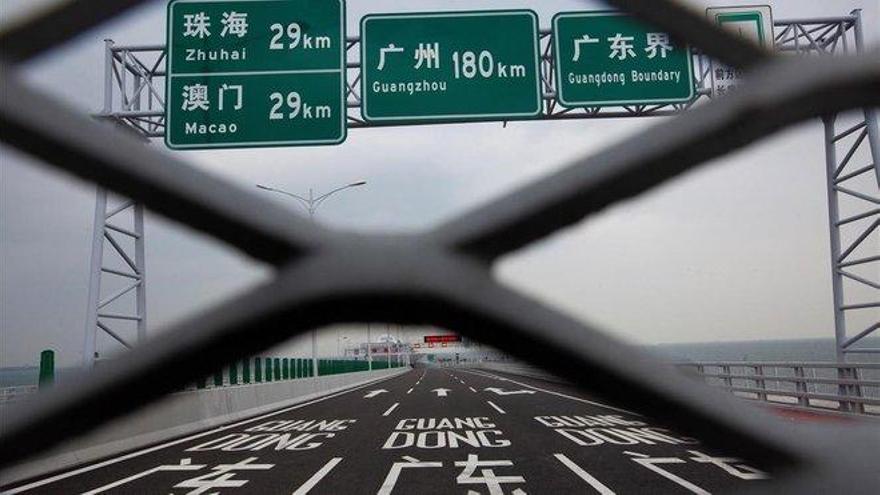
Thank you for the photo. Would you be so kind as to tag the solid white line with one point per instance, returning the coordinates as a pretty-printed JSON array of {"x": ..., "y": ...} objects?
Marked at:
[
  {"x": 409, "y": 391},
  {"x": 139, "y": 453},
  {"x": 604, "y": 490},
  {"x": 308, "y": 485},
  {"x": 496, "y": 407},
  {"x": 185, "y": 465},
  {"x": 386, "y": 413},
  {"x": 472, "y": 389},
  {"x": 553, "y": 392}
]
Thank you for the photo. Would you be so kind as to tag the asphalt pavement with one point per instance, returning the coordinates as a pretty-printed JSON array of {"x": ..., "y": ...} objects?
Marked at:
[{"x": 436, "y": 430}]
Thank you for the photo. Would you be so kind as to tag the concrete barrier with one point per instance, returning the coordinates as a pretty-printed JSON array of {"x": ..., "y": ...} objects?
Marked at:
[{"x": 187, "y": 412}]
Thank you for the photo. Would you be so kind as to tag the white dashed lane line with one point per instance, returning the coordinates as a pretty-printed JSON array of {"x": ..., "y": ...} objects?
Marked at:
[
  {"x": 317, "y": 477},
  {"x": 386, "y": 413},
  {"x": 495, "y": 406}
]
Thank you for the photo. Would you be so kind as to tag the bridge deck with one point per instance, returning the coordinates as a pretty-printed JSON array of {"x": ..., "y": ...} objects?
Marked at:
[{"x": 501, "y": 432}]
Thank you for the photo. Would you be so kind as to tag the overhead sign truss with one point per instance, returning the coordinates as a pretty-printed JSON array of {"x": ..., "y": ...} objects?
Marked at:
[{"x": 134, "y": 98}]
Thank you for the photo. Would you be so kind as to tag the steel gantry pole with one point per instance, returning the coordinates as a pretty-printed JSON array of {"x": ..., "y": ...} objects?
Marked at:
[
  {"x": 132, "y": 270},
  {"x": 311, "y": 205},
  {"x": 89, "y": 344},
  {"x": 834, "y": 234},
  {"x": 861, "y": 218},
  {"x": 141, "y": 264},
  {"x": 871, "y": 125}
]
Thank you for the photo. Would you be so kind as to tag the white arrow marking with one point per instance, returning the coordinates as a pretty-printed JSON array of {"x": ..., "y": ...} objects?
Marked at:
[
  {"x": 373, "y": 393},
  {"x": 499, "y": 391},
  {"x": 441, "y": 392}
]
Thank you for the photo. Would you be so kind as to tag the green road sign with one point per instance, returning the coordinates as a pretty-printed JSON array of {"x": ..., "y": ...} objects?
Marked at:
[
  {"x": 450, "y": 66},
  {"x": 754, "y": 23},
  {"x": 247, "y": 73},
  {"x": 608, "y": 58}
]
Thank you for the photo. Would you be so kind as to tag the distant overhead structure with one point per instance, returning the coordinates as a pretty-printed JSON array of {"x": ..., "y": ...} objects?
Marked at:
[{"x": 135, "y": 82}]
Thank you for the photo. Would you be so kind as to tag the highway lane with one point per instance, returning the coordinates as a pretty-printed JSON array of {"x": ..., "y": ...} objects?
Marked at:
[{"x": 448, "y": 430}]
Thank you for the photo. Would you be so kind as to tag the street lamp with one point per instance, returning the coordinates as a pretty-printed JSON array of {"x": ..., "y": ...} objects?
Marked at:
[{"x": 311, "y": 204}]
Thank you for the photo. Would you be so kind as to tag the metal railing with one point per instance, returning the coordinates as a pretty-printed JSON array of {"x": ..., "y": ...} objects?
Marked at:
[
  {"x": 850, "y": 387},
  {"x": 16, "y": 393}
]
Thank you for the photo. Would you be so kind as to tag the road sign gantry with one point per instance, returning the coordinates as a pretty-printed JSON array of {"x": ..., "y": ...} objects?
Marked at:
[{"x": 255, "y": 73}]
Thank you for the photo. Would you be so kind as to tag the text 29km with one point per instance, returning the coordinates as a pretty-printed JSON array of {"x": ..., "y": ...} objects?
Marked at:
[
  {"x": 295, "y": 38},
  {"x": 296, "y": 107}
]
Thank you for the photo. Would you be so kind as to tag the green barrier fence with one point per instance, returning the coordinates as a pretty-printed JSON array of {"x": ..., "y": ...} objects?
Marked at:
[
  {"x": 47, "y": 369},
  {"x": 258, "y": 371},
  {"x": 269, "y": 369}
]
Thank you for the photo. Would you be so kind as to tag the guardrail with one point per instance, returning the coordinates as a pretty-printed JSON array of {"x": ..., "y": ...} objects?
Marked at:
[
  {"x": 16, "y": 393},
  {"x": 846, "y": 387},
  {"x": 249, "y": 371},
  {"x": 190, "y": 411}
]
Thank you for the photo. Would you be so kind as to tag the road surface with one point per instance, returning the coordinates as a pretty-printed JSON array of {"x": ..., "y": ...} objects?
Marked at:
[{"x": 448, "y": 430}]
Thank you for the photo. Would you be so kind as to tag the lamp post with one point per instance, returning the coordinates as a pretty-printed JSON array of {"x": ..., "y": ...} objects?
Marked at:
[{"x": 311, "y": 205}]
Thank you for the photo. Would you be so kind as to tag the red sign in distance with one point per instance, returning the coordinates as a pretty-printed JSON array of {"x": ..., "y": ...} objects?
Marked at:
[{"x": 436, "y": 339}]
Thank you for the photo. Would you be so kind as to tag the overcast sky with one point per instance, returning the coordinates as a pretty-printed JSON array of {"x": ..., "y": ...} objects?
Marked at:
[{"x": 735, "y": 251}]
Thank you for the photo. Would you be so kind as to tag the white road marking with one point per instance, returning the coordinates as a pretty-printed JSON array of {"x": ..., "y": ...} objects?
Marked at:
[
  {"x": 373, "y": 393},
  {"x": 604, "y": 490},
  {"x": 553, "y": 392},
  {"x": 386, "y": 413},
  {"x": 317, "y": 477},
  {"x": 473, "y": 389},
  {"x": 394, "y": 472},
  {"x": 409, "y": 391},
  {"x": 495, "y": 406},
  {"x": 499, "y": 391},
  {"x": 442, "y": 392},
  {"x": 185, "y": 465},
  {"x": 172, "y": 443},
  {"x": 650, "y": 463}
]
